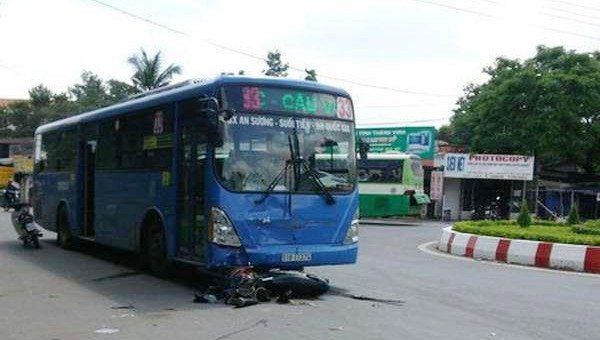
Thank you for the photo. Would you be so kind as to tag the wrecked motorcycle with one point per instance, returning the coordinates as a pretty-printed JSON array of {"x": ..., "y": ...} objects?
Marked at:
[{"x": 244, "y": 287}]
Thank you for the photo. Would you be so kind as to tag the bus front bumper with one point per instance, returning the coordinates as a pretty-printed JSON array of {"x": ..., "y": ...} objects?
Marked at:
[{"x": 283, "y": 256}]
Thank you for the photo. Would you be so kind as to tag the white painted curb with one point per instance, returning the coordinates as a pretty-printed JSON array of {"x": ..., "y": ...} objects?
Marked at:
[{"x": 579, "y": 258}]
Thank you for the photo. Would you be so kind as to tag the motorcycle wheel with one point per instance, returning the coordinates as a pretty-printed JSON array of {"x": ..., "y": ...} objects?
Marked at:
[{"x": 35, "y": 241}]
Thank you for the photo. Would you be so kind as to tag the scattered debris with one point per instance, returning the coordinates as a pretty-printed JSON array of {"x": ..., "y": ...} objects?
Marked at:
[
  {"x": 205, "y": 298},
  {"x": 392, "y": 302},
  {"x": 387, "y": 301},
  {"x": 228, "y": 335},
  {"x": 106, "y": 331},
  {"x": 302, "y": 303},
  {"x": 116, "y": 276},
  {"x": 123, "y": 307}
]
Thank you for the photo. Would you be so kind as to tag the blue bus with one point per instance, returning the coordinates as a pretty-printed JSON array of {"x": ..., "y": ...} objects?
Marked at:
[{"x": 217, "y": 173}]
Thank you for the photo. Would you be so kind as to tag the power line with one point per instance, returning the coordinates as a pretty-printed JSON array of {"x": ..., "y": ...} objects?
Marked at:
[
  {"x": 571, "y": 19},
  {"x": 223, "y": 47},
  {"x": 489, "y": 16},
  {"x": 133, "y": 15},
  {"x": 405, "y": 122},
  {"x": 575, "y": 5},
  {"x": 400, "y": 106},
  {"x": 562, "y": 10},
  {"x": 460, "y": 9}
]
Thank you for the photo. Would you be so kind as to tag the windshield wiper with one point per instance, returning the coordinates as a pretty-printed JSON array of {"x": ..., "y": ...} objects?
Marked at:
[
  {"x": 312, "y": 174},
  {"x": 300, "y": 162},
  {"x": 288, "y": 163},
  {"x": 275, "y": 181},
  {"x": 297, "y": 163}
]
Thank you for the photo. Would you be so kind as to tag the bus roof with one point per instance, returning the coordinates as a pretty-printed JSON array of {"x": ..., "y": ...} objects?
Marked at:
[{"x": 181, "y": 91}]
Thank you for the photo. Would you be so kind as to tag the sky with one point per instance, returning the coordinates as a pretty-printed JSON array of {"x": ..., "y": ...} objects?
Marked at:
[{"x": 404, "y": 62}]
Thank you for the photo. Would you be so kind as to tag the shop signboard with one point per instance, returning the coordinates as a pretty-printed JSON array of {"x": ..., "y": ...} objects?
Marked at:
[
  {"x": 416, "y": 140},
  {"x": 436, "y": 189},
  {"x": 488, "y": 166}
]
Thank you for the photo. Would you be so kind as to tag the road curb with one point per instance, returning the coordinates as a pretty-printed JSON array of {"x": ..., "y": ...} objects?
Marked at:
[
  {"x": 530, "y": 253},
  {"x": 398, "y": 223}
]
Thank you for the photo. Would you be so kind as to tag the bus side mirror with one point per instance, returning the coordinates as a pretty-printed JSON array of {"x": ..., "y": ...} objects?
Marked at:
[
  {"x": 215, "y": 129},
  {"x": 215, "y": 118}
]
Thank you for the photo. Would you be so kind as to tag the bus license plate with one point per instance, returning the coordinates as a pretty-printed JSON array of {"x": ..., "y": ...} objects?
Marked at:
[{"x": 296, "y": 257}]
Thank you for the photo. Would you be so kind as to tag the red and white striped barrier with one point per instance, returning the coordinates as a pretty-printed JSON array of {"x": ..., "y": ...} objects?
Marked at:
[{"x": 530, "y": 253}]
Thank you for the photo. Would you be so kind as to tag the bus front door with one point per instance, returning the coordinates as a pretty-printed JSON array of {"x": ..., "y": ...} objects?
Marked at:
[
  {"x": 89, "y": 173},
  {"x": 191, "y": 191}
]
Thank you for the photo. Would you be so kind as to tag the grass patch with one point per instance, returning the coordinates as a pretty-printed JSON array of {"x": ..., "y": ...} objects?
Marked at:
[{"x": 538, "y": 231}]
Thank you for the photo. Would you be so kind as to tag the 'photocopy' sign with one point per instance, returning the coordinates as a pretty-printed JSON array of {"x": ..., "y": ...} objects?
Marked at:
[{"x": 509, "y": 167}]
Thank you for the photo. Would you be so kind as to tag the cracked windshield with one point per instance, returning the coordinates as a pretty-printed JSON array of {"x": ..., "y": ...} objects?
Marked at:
[{"x": 257, "y": 149}]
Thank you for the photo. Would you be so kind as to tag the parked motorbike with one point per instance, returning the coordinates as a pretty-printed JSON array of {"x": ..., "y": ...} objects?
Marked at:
[
  {"x": 487, "y": 212},
  {"x": 25, "y": 226}
]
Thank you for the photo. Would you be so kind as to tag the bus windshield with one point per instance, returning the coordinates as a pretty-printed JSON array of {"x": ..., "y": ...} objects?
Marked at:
[
  {"x": 380, "y": 171},
  {"x": 257, "y": 147}
]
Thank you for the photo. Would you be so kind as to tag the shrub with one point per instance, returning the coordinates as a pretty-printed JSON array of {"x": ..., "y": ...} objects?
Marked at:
[
  {"x": 573, "y": 218},
  {"x": 524, "y": 220},
  {"x": 545, "y": 232},
  {"x": 547, "y": 223},
  {"x": 591, "y": 227}
]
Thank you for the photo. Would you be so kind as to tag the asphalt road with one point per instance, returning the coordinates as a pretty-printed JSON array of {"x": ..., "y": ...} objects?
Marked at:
[{"x": 56, "y": 294}]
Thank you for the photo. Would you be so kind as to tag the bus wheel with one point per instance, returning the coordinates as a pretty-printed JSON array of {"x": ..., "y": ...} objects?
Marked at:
[
  {"x": 63, "y": 232},
  {"x": 156, "y": 250}
]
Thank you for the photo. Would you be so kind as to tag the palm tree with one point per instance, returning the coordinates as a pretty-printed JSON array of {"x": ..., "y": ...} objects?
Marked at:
[{"x": 148, "y": 74}]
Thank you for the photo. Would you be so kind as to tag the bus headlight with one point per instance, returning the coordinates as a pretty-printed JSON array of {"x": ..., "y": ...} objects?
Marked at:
[
  {"x": 352, "y": 234},
  {"x": 220, "y": 229}
]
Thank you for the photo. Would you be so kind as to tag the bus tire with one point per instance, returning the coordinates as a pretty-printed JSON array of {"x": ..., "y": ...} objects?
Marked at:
[
  {"x": 155, "y": 249},
  {"x": 64, "y": 238}
]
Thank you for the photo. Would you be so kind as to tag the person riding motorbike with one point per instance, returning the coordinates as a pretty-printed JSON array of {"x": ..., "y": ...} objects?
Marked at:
[{"x": 11, "y": 193}]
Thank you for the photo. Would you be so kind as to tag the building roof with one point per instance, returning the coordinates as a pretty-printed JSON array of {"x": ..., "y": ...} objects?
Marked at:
[
  {"x": 8, "y": 101},
  {"x": 20, "y": 140}
]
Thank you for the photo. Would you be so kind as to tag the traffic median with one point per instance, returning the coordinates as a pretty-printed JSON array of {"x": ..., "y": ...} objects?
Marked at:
[{"x": 554, "y": 247}]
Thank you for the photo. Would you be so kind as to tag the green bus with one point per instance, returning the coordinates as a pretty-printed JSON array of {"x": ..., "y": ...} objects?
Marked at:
[{"x": 391, "y": 184}]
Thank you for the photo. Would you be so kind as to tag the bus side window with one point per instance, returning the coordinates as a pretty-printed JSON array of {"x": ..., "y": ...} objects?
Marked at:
[
  {"x": 376, "y": 175},
  {"x": 49, "y": 150},
  {"x": 40, "y": 154},
  {"x": 64, "y": 146},
  {"x": 130, "y": 142},
  {"x": 107, "y": 145},
  {"x": 157, "y": 131}
]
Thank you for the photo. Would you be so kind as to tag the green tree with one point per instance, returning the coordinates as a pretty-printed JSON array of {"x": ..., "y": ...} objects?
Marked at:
[
  {"x": 276, "y": 67},
  {"x": 40, "y": 96},
  {"x": 149, "y": 73},
  {"x": 524, "y": 220},
  {"x": 444, "y": 133},
  {"x": 91, "y": 93},
  {"x": 548, "y": 106},
  {"x": 119, "y": 90},
  {"x": 311, "y": 75}
]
